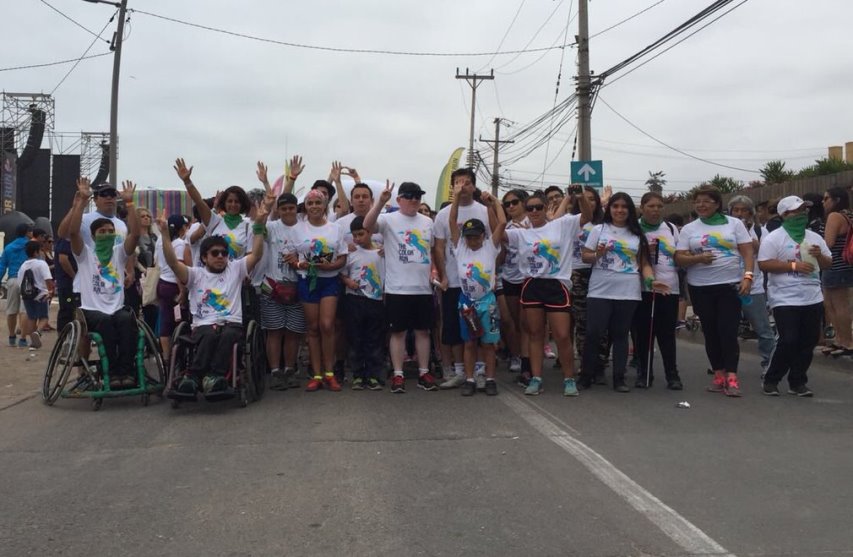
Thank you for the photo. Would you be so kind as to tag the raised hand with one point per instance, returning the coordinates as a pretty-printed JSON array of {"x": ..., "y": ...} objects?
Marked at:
[
  {"x": 335, "y": 173},
  {"x": 457, "y": 189},
  {"x": 487, "y": 199},
  {"x": 385, "y": 196},
  {"x": 262, "y": 208},
  {"x": 296, "y": 167},
  {"x": 606, "y": 194},
  {"x": 84, "y": 187},
  {"x": 127, "y": 190},
  {"x": 162, "y": 223},
  {"x": 184, "y": 173},
  {"x": 352, "y": 173},
  {"x": 261, "y": 173}
]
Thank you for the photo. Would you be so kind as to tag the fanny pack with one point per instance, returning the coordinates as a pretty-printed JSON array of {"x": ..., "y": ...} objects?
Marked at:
[{"x": 282, "y": 292}]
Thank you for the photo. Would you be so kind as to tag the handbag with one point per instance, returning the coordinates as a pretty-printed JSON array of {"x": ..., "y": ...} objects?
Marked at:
[
  {"x": 283, "y": 292},
  {"x": 149, "y": 285}
]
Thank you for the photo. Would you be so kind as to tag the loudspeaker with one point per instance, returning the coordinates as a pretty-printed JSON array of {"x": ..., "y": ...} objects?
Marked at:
[
  {"x": 7, "y": 140},
  {"x": 104, "y": 170},
  {"x": 66, "y": 170},
  {"x": 34, "y": 139},
  {"x": 34, "y": 186}
]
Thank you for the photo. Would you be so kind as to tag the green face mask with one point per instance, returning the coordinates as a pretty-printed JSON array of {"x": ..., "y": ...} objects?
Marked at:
[
  {"x": 796, "y": 227},
  {"x": 231, "y": 221},
  {"x": 104, "y": 244}
]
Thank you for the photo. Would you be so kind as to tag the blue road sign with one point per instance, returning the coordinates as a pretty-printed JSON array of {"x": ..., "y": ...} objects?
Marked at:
[{"x": 588, "y": 173}]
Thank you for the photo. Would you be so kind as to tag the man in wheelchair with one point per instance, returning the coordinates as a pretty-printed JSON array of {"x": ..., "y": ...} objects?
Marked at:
[
  {"x": 101, "y": 270},
  {"x": 215, "y": 306}
]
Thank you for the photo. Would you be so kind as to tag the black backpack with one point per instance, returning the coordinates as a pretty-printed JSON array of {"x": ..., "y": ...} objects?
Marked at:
[{"x": 28, "y": 286}]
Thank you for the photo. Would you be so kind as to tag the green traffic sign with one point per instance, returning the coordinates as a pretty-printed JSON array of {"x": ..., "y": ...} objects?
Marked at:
[{"x": 588, "y": 173}]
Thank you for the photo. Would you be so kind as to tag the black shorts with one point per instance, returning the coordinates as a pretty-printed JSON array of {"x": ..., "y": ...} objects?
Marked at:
[
  {"x": 550, "y": 294},
  {"x": 512, "y": 289},
  {"x": 451, "y": 333},
  {"x": 409, "y": 311}
]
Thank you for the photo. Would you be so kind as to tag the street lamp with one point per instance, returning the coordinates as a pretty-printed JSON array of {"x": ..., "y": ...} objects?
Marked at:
[{"x": 116, "y": 48}]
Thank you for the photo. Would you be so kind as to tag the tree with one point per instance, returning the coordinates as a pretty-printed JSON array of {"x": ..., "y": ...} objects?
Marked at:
[
  {"x": 774, "y": 172},
  {"x": 656, "y": 181},
  {"x": 823, "y": 167},
  {"x": 725, "y": 184}
]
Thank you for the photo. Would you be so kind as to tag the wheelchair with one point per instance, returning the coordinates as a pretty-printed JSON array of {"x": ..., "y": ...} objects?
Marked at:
[
  {"x": 93, "y": 380},
  {"x": 247, "y": 370}
]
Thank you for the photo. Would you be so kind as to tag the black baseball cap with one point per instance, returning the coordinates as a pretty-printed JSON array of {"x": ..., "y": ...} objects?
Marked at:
[
  {"x": 410, "y": 188},
  {"x": 103, "y": 186},
  {"x": 473, "y": 227},
  {"x": 286, "y": 199}
]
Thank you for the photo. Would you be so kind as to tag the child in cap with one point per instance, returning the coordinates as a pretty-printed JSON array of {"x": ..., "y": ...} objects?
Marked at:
[
  {"x": 364, "y": 278},
  {"x": 478, "y": 308},
  {"x": 36, "y": 289}
]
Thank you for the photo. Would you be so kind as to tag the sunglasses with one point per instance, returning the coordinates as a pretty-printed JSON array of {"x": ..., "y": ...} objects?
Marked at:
[
  {"x": 511, "y": 203},
  {"x": 107, "y": 193},
  {"x": 411, "y": 196},
  {"x": 218, "y": 253},
  {"x": 535, "y": 208}
]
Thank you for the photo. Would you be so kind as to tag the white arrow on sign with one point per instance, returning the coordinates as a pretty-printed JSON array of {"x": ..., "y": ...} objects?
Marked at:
[{"x": 585, "y": 171}]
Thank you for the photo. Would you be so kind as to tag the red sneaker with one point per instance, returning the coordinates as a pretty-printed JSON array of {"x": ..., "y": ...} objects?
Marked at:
[
  {"x": 732, "y": 387},
  {"x": 314, "y": 385},
  {"x": 398, "y": 384},
  {"x": 718, "y": 385},
  {"x": 331, "y": 383},
  {"x": 427, "y": 382}
]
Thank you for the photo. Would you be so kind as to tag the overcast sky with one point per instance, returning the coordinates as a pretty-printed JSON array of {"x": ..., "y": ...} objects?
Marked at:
[{"x": 770, "y": 80}]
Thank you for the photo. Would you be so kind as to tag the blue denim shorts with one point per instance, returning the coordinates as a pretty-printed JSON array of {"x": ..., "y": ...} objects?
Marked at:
[
  {"x": 325, "y": 287},
  {"x": 842, "y": 278},
  {"x": 36, "y": 309}
]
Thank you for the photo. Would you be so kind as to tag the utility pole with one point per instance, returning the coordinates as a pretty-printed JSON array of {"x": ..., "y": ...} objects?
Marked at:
[
  {"x": 474, "y": 81},
  {"x": 584, "y": 88},
  {"x": 496, "y": 144},
  {"x": 118, "y": 39}
]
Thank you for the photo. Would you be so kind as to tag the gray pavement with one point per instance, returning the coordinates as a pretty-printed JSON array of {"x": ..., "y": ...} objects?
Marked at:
[{"x": 367, "y": 473}]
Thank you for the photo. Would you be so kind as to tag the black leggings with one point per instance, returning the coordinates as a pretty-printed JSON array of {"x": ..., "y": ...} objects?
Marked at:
[
  {"x": 120, "y": 336},
  {"x": 666, "y": 314},
  {"x": 608, "y": 315},
  {"x": 799, "y": 331},
  {"x": 213, "y": 348},
  {"x": 718, "y": 308}
]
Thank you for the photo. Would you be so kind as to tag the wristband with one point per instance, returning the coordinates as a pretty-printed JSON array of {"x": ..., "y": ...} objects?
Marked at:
[
  {"x": 648, "y": 282},
  {"x": 793, "y": 266},
  {"x": 749, "y": 274},
  {"x": 291, "y": 178},
  {"x": 258, "y": 229},
  {"x": 747, "y": 277}
]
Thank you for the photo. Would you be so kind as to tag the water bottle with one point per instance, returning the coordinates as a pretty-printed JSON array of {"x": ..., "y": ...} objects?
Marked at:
[{"x": 475, "y": 328}]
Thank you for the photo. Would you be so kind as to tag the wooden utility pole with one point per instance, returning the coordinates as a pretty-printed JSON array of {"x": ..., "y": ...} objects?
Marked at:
[
  {"x": 496, "y": 145},
  {"x": 584, "y": 88},
  {"x": 474, "y": 81}
]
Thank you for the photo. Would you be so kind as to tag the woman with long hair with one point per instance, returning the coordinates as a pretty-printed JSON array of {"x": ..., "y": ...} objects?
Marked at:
[
  {"x": 619, "y": 254},
  {"x": 718, "y": 253},
  {"x": 146, "y": 258},
  {"x": 512, "y": 279},
  {"x": 838, "y": 279},
  {"x": 169, "y": 289}
]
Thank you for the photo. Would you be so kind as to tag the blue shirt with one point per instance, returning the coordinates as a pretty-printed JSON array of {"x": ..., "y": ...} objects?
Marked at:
[{"x": 13, "y": 257}]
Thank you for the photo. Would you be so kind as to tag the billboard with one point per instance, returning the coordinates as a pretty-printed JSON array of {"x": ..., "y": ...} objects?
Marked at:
[{"x": 8, "y": 181}]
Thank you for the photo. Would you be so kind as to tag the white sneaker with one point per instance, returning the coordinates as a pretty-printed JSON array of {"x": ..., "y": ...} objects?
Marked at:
[
  {"x": 481, "y": 383},
  {"x": 454, "y": 382},
  {"x": 515, "y": 364},
  {"x": 549, "y": 352}
]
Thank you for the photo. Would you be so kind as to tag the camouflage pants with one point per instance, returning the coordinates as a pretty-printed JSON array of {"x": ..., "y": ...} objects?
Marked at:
[{"x": 580, "y": 287}]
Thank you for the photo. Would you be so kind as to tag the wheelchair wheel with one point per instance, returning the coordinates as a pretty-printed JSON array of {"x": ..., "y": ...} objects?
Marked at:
[
  {"x": 152, "y": 358},
  {"x": 179, "y": 358},
  {"x": 63, "y": 357},
  {"x": 255, "y": 361}
]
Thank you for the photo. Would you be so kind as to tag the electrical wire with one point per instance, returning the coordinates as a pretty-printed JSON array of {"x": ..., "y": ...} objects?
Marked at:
[
  {"x": 57, "y": 63},
  {"x": 85, "y": 52},
  {"x": 647, "y": 145},
  {"x": 557, "y": 88},
  {"x": 72, "y": 20},
  {"x": 627, "y": 19},
  {"x": 536, "y": 34},
  {"x": 506, "y": 34},
  {"x": 516, "y": 52}
]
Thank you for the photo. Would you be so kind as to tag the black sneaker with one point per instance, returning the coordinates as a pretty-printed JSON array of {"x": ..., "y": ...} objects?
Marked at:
[
  {"x": 523, "y": 378},
  {"x": 469, "y": 388},
  {"x": 800, "y": 390},
  {"x": 187, "y": 386},
  {"x": 640, "y": 383},
  {"x": 674, "y": 385},
  {"x": 491, "y": 387},
  {"x": 770, "y": 389},
  {"x": 212, "y": 384}
]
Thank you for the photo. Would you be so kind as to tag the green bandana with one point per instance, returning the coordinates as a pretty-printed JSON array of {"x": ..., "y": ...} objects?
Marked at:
[
  {"x": 312, "y": 276},
  {"x": 104, "y": 244},
  {"x": 796, "y": 227},
  {"x": 648, "y": 227},
  {"x": 231, "y": 221},
  {"x": 715, "y": 220}
]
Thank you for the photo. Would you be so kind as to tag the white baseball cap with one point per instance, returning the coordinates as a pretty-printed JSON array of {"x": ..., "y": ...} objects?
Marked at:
[{"x": 791, "y": 203}]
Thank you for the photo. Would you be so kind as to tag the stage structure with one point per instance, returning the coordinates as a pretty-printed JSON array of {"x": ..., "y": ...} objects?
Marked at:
[{"x": 25, "y": 118}]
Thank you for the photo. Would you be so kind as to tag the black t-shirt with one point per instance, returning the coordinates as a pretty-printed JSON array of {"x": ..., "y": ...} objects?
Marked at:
[{"x": 63, "y": 246}]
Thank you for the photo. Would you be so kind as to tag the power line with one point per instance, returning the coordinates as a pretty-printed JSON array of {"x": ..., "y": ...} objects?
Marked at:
[
  {"x": 677, "y": 150},
  {"x": 72, "y": 20},
  {"x": 627, "y": 19},
  {"x": 536, "y": 34},
  {"x": 85, "y": 52},
  {"x": 57, "y": 63},
  {"x": 519, "y": 52},
  {"x": 557, "y": 88},
  {"x": 793, "y": 149},
  {"x": 506, "y": 34}
]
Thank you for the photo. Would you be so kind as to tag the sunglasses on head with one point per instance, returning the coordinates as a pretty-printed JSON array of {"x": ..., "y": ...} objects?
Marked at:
[
  {"x": 107, "y": 193},
  {"x": 218, "y": 252},
  {"x": 411, "y": 196},
  {"x": 511, "y": 203},
  {"x": 537, "y": 207}
]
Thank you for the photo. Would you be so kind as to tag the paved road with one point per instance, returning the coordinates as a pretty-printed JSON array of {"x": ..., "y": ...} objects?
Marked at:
[{"x": 364, "y": 473}]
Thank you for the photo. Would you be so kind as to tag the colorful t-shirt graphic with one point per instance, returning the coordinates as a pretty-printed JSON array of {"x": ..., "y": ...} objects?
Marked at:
[
  {"x": 720, "y": 240},
  {"x": 792, "y": 288},
  {"x": 408, "y": 242},
  {"x": 544, "y": 256},
  {"x": 101, "y": 286},
  {"x": 238, "y": 239},
  {"x": 367, "y": 268},
  {"x": 413, "y": 247},
  {"x": 545, "y": 252},
  {"x": 320, "y": 244},
  {"x": 215, "y": 297},
  {"x": 477, "y": 269},
  {"x": 616, "y": 274}
]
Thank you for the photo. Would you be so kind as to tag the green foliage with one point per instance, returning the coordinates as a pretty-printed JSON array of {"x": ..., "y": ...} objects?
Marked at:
[
  {"x": 656, "y": 181},
  {"x": 725, "y": 184},
  {"x": 823, "y": 167},
  {"x": 774, "y": 172}
]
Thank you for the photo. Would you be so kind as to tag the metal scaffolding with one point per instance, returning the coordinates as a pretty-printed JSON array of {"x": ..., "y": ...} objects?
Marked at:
[
  {"x": 91, "y": 152},
  {"x": 16, "y": 115}
]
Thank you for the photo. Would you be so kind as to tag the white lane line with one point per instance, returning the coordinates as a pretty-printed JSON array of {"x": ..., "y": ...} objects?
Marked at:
[{"x": 680, "y": 530}]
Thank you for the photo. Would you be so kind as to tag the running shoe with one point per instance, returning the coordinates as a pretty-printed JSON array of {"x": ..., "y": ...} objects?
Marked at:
[
  {"x": 481, "y": 382},
  {"x": 213, "y": 384},
  {"x": 398, "y": 384},
  {"x": 453, "y": 382},
  {"x": 620, "y": 387},
  {"x": 570, "y": 388},
  {"x": 800, "y": 391},
  {"x": 680, "y": 325},
  {"x": 732, "y": 387},
  {"x": 330, "y": 382},
  {"x": 427, "y": 382},
  {"x": 491, "y": 387},
  {"x": 549, "y": 352},
  {"x": 373, "y": 384},
  {"x": 534, "y": 387},
  {"x": 358, "y": 384},
  {"x": 13, "y": 341},
  {"x": 718, "y": 384},
  {"x": 22, "y": 343},
  {"x": 515, "y": 364},
  {"x": 523, "y": 379},
  {"x": 314, "y": 384},
  {"x": 674, "y": 385},
  {"x": 469, "y": 388},
  {"x": 770, "y": 389},
  {"x": 278, "y": 381},
  {"x": 35, "y": 339}
]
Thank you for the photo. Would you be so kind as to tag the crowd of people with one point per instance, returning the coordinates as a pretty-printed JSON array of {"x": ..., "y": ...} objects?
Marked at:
[{"x": 363, "y": 282}]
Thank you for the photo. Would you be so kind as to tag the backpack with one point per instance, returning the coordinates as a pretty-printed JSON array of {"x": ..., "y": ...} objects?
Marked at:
[
  {"x": 847, "y": 252},
  {"x": 28, "y": 286}
]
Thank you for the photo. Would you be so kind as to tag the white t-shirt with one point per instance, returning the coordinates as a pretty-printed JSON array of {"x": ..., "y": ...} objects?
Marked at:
[
  {"x": 408, "y": 245},
  {"x": 41, "y": 274},
  {"x": 195, "y": 247},
  {"x": 345, "y": 221},
  {"x": 239, "y": 239},
  {"x": 101, "y": 286},
  {"x": 758, "y": 278},
  {"x": 509, "y": 270},
  {"x": 281, "y": 242},
  {"x": 367, "y": 268},
  {"x": 665, "y": 270},
  {"x": 721, "y": 240},
  {"x": 320, "y": 244},
  {"x": 616, "y": 274},
  {"x": 442, "y": 232},
  {"x": 166, "y": 273},
  {"x": 86, "y": 234},
  {"x": 476, "y": 269},
  {"x": 215, "y": 297},
  {"x": 789, "y": 288},
  {"x": 577, "y": 247},
  {"x": 546, "y": 252}
]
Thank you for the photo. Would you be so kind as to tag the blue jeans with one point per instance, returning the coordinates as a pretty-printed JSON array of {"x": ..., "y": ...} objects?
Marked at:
[{"x": 756, "y": 314}]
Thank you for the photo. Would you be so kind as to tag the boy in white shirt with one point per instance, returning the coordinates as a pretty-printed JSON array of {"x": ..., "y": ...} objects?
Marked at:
[
  {"x": 477, "y": 308},
  {"x": 36, "y": 295},
  {"x": 364, "y": 310}
]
